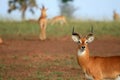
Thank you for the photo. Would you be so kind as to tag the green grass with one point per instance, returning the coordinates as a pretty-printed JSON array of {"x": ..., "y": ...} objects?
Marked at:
[
  {"x": 23, "y": 29},
  {"x": 14, "y": 29},
  {"x": 24, "y": 67}
]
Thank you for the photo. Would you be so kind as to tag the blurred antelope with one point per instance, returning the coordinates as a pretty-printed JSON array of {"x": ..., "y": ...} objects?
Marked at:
[
  {"x": 1, "y": 41},
  {"x": 115, "y": 16},
  {"x": 95, "y": 68},
  {"x": 43, "y": 23},
  {"x": 59, "y": 19}
]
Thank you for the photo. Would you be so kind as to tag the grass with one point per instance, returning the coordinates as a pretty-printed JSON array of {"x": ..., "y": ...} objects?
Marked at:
[
  {"x": 14, "y": 29},
  {"x": 30, "y": 70},
  {"x": 24, "y": 29},
  {"x": 24, "y": 68}
]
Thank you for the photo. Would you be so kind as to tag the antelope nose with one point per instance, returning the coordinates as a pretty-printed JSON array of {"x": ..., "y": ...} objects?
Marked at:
[{"x": 83, "y": 47}]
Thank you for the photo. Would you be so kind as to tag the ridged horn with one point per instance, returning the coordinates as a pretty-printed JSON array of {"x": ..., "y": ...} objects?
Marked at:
[{"x": 74, "y": 33}]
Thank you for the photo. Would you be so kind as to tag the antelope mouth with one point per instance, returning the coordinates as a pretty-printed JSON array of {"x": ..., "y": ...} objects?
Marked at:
[{"x": 81, "y": 52}]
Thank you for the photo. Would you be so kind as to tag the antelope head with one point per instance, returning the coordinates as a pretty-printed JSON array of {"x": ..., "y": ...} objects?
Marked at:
[
  {"x": 82, "y": 41},
  {"x": 43, "y": 8},
  {"x": 43, "y": 11}
]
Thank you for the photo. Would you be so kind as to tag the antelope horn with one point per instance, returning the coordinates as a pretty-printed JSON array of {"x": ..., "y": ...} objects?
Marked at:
[
  {"x": 43, "y": 6},
  {"x": 91, "y": 32},
  {"x": 92, "y": 29},
  {"x": 74, "y": 33}
]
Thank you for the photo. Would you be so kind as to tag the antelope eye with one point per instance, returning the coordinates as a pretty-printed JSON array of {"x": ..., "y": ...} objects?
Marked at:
[
  {"x": 79, "y": 41},
  {"x": 86, "y": 41}
]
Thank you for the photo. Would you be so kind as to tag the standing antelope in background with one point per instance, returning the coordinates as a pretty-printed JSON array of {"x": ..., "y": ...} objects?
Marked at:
[
  {"x": 96, "y": 68},
  {"x": 59, "y": 19},
  {"x": 115, "y": 16},
  {"x": 43, "y": 23}
]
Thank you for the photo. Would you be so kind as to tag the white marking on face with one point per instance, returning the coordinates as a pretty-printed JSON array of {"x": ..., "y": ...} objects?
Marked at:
[
  {"x": 86, "y": 41},
  {"x": 81, "y": 52},
  {"x": 80, "y": 41}
]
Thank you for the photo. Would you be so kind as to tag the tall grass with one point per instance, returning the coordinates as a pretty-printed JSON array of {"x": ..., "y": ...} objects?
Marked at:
[{"x": 16, "y": 29}]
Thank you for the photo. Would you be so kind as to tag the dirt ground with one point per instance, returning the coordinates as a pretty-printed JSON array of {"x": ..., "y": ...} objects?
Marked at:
[
  {"x": 106, "y": 46},
  {"x": 50, "y": 50}
]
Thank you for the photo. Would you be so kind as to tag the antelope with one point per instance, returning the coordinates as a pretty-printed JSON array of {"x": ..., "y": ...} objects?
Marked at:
[
  {"x": 59, "y": 19},
  {"x": 43, "y": 23},
  {"x": 115, "y": 16},
  {"x": 95, "y": 67},
  {"x": 1, "y": 41}
]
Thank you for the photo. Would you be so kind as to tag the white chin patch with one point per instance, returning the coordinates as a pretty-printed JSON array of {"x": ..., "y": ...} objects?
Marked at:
[{"x": 81, "y": 52}]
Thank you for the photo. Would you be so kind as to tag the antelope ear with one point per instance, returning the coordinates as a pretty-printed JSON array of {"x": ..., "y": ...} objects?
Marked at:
[
  {"x": 90, "y": 38},
  {"x": 75, "y": 38}
]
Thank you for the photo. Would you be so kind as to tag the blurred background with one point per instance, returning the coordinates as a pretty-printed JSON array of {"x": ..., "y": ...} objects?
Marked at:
[
  {"x": 104, "y": 15},
  {"x": 75, "y": 9},
  {"x": 23, "y": 56}
]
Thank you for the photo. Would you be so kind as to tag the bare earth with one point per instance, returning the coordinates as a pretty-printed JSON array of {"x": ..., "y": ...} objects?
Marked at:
[{"x": 16, "y": 53}]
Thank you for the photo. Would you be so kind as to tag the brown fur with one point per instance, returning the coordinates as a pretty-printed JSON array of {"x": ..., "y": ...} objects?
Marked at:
[
  {"x": 43, "y": 23},
  {"x": 98, "y": 67},
  {"x": 59, "y": 19}
]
